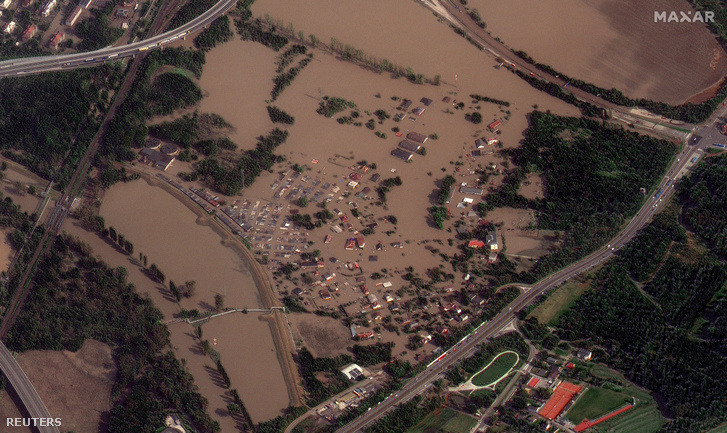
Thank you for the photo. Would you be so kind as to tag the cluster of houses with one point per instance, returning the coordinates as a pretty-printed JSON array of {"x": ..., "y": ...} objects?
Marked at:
[
  {"x": 488, "y": 244},
  {"x": 407, "y": 148}
]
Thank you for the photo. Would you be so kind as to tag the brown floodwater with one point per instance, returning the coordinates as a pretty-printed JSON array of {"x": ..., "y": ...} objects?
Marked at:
[{"x": 167, "y": 232}]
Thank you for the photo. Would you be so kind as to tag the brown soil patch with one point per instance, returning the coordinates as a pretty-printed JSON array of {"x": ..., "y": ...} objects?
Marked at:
[
  {"x": 323, "y": 336},
  {"x": 75, "y": 387},
  {"x": 707, "y": 93}
]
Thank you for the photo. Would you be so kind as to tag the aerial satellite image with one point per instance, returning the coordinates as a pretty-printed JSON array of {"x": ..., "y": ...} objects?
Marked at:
[{"x": 378, "y": 216}]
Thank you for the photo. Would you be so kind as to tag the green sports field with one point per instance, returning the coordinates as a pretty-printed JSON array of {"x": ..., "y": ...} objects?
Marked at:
[
  {"x": 596, "y": 402},
  {"x": 498, "y": 368}
]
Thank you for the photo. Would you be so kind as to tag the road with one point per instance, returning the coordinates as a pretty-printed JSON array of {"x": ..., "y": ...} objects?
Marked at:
[
  {"x": 22, "y": 386},
  {"x": 679, "y": 167},
  {"x": 35, "y": 65}
]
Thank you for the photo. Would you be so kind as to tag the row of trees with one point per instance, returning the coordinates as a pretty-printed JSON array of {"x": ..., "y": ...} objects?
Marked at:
[
  {"x": 217, "y": 33},
  {"x": 283, "y": 80},
  {"x": 279, "y": 116},
  {"x": 689, "y": 112}
]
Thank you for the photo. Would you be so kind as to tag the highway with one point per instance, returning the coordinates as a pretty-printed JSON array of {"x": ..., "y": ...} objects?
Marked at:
[
  {"x": 22, "y": 386},
  {"x": 679, "y": 168},
  {"x": 35, "y": 65}
]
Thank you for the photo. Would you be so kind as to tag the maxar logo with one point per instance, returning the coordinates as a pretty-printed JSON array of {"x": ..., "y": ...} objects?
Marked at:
[{"x": 683, "y": 17}]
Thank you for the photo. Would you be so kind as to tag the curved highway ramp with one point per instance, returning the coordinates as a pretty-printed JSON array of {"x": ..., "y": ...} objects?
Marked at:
[{"x": 25, "y": 390}]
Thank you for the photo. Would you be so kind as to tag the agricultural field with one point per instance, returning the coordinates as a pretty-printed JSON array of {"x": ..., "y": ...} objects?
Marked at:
[
  {"x": 496, "y": 370},
  {"x": 559, "y": 301},
  {"x": 643, "y": 418},
  {"x": 444, "y": 420},
  {"x": 595, "y": 403}
]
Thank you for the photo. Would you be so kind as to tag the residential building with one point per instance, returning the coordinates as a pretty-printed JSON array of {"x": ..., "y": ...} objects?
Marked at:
[
  {"x": 419, "y": 138},
  {"x": 494, "y": 125},
  {"x": 5, "y": 4},
  {"x": 426, "y": 101},
  {"x": 480, "y": 143},
  {"x": 85, "y": 3},
  {"x": 405, "y": 104},
  {"x": 408, "y": 145},
  {"x": 48, "y": 8},
  {"x": 156, "y": 159},
  {"x": 476, "y": 244},
  {"x": 418, "y": 111},
  {"x": 491, "y": 240},
  {"x": 74, "y": 15},
  {"x": 29, "y": 32},
  {"x": 55, "y": 41},
  {"x": 470, "y": 190},
  {"x": 9, "y": 27},
  {"x": 402, "y": 154},
  {"x": 584, "y": 354}
]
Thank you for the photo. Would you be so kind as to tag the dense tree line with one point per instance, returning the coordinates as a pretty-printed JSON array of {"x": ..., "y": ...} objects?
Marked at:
[
  {"x": 289, "y": 55},
  {"x": 217, "y": 33},
  {"x": 11, "y": 217},
  {"x": 704, "y": 195},
  {"x": 592, "y": 175},
  {"x": 171, "y": 91},
  {"x": 279, "y": 116},
  {"x": 332, "y": 105},
  {"x": 372, "y": 354},
  {"x": 553, "y": 89},
  {"x": 127, "y": 129},
  {"x": 689, "y": 112},
  {"x": 251, "y": 29},
  {"x": 230, "y": 179},
  {"x": 191, "y": 10},
  {"x": 445, "y": 189},
  {"x": 644, "y": 253},
  {"x": 309, "y": 366},
  {"x": 163, "y": 385},
  {"x": 490, "y": 100},
  {"x": 41, "y": 125},
  {"x": 278, "y": 424},
  {"x": 650, "y": 334},
  {"x": 97, "y": 31},
  {"x": 284, "y": 79}
]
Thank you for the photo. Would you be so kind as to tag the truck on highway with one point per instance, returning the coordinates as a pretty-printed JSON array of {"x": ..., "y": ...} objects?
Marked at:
[
  {"x": 695, "y": 159},
  {"x": 658, "y": 193},
  {"x": 720, "y": 145}
]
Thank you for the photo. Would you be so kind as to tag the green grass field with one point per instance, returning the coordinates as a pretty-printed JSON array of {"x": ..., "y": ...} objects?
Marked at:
[
  {"x": 644, "y": 418},
  {"x": 498, "y": 368},
  {"x": 559, "y": 302},
  {"x": 446, "y": 420},
  {"x": 596, "y": 402}
]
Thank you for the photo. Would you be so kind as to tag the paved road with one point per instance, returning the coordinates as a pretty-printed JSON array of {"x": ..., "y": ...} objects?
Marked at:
[
  {"x": 35, "y": 65},
  {"x": 463, "y": 349},
  {"x": 22, "y": 386}
]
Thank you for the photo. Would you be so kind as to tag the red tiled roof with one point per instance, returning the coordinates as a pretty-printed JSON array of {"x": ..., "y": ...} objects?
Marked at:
[
  {"x": 533, "y": 382},
  {"x": 562, "y": 395}
]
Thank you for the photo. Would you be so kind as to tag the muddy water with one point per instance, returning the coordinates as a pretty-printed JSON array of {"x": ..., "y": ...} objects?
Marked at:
[
  {"x": 167, "y": 232},
  {"x": 612, "y": 43}
]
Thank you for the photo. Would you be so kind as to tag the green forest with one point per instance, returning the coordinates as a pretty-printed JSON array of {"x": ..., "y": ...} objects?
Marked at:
[
  {"x": 659, "y": 310},
  {"x": 48, "y": 130},
  {"x": 592, "y": 174}
]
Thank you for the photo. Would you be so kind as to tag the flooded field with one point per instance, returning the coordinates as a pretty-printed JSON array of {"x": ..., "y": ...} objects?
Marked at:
[
  {"x": 165, "y": 230},
  {"x": 612, "y": 43}
]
